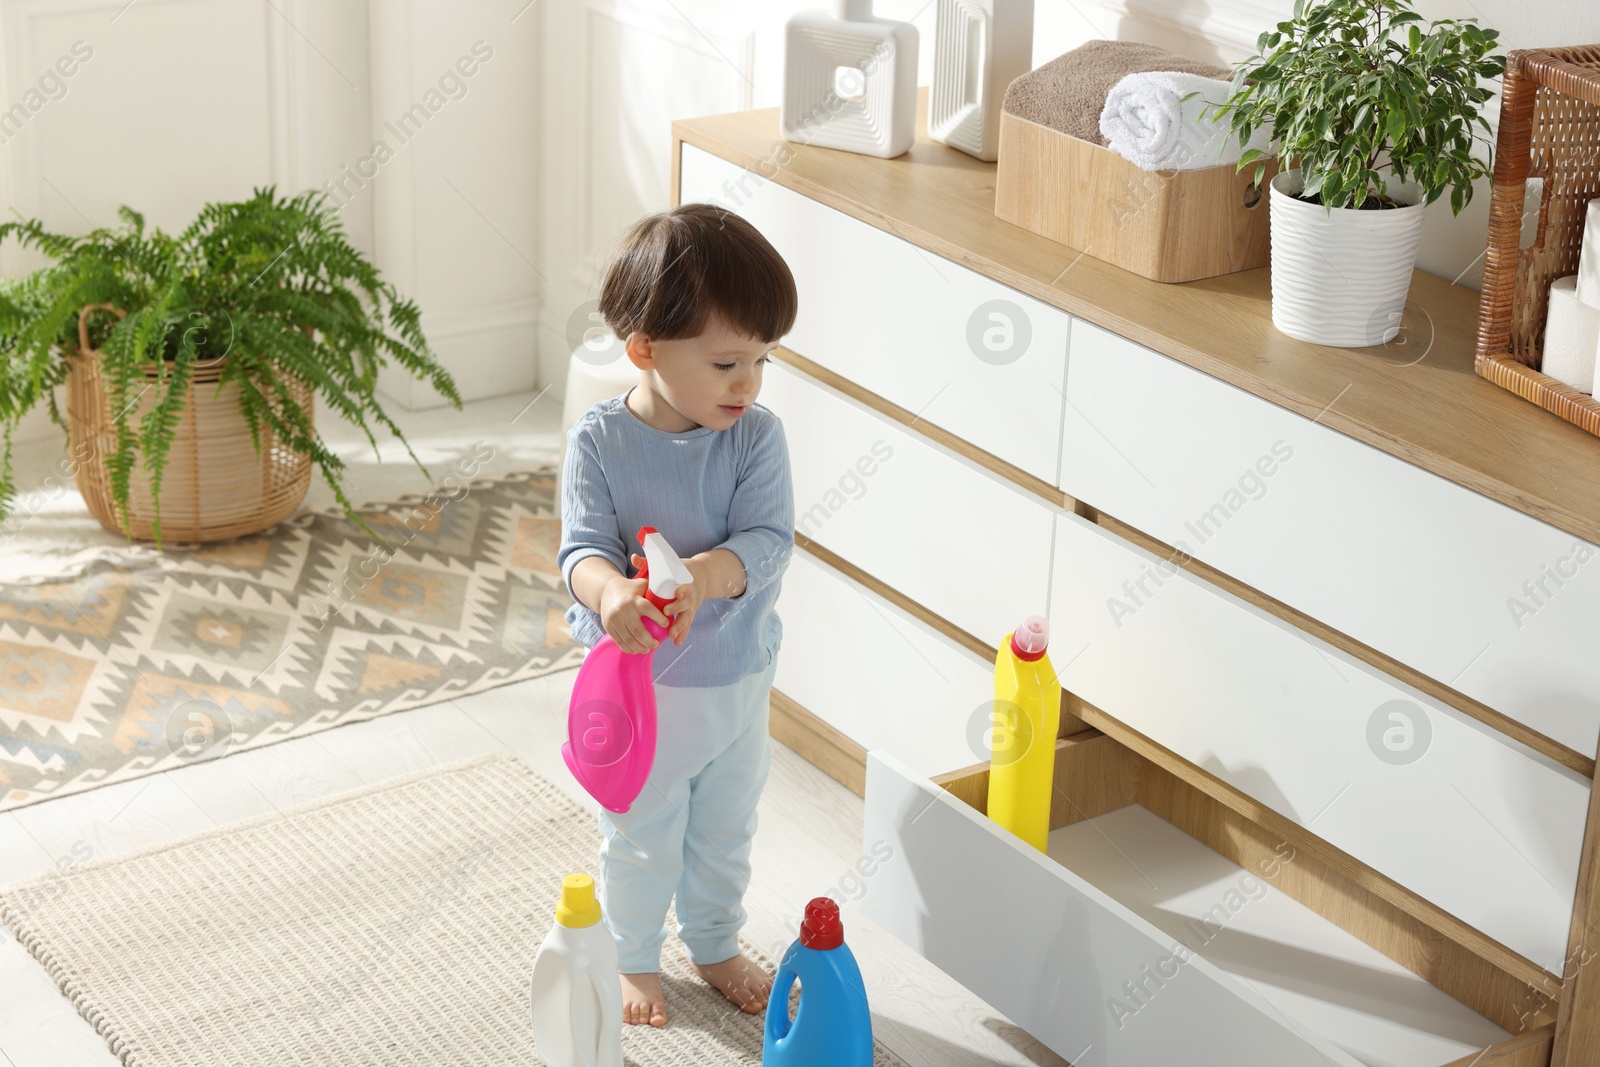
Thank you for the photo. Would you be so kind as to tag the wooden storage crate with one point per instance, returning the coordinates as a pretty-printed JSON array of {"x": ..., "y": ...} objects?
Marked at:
[
  {"x": 1168, "y": 226},
  {"x": 1549, "y": 129}
]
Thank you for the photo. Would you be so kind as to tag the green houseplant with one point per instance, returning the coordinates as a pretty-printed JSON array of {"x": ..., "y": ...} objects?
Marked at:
[
  {"x": 255, "y": 308},
  {"x": 1380, "y": 115}
]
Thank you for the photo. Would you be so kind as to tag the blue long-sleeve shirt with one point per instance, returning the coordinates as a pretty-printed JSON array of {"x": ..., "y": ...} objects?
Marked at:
[{"x": 702, "y": 489}]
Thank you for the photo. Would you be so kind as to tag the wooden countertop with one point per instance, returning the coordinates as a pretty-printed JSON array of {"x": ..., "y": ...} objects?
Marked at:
[{"x": 1432, "y": 411}]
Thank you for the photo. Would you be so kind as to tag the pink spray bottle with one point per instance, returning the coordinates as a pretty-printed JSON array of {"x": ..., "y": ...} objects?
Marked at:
[{"x": 611, "y": 722}]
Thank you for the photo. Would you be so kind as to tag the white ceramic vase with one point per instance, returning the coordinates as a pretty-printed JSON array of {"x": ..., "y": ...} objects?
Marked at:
[
  {"x": 849, "y": 80},
  {"x": 979, "y": 46},
  {"x": 1340, "y": 277}
]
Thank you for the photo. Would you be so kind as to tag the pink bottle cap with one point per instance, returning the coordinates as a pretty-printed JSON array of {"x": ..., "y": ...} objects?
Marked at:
[{"x": 1031, "y": 637}]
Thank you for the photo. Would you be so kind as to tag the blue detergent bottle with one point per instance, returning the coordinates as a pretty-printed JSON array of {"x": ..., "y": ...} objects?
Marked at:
[{"x": 832, "y": 1026}]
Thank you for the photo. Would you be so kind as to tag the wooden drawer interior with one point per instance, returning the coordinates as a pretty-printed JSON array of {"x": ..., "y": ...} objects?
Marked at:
[
  {"x": 1328, "y": 954},
  {"x": 1405, "y": 784}
]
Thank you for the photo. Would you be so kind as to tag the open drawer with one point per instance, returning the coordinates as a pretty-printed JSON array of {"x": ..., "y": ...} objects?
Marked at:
[{"x": 1133, "y": 943}]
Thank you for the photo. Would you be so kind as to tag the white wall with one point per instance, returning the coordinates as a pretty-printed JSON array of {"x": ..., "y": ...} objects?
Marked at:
[
  {"x": 494, "y": 215},
  {"x": 187, "y": 101},
  {"x": 455, "y": 211},
  {"x": 617, "y": 72}
]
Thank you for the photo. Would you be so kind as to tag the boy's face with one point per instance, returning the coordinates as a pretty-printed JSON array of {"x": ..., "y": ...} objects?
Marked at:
[{"x": 711, "y": 379}]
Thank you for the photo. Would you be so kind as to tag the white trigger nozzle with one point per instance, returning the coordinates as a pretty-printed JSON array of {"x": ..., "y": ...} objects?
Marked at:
[{"x": 667, "y": 571}]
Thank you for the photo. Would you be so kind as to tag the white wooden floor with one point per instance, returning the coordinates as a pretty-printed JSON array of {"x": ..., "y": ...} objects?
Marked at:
[{"x": 808, "y": 842}]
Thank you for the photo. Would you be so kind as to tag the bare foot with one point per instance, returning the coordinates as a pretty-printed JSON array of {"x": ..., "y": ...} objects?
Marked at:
[
  {"x": 741, "y": 981},
  {"x": 642, "y": 999}
]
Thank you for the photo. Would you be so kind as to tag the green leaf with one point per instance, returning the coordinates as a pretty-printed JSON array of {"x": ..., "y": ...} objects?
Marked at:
[
  {"x": 269, "y": 266},
  {"x": 1355, "y": 90},
  {"x": 1394, "y": 124}
]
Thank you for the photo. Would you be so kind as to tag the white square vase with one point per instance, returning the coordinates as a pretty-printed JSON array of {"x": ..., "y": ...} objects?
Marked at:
[
  {"x": 979, "y": 46},
  {"x": 850, "y": 80}
]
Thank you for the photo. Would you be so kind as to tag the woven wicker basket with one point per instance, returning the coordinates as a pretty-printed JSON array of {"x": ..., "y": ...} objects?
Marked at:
[
  {"x": 214, "y": 486},
  {"x": 1550, "y": 129}
]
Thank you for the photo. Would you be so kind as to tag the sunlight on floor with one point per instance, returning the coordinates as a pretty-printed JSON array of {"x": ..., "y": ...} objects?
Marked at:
[{"x": 49, "y": 522}]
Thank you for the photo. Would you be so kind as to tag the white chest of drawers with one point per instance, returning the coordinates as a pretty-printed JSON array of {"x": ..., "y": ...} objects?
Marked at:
[
  {"x": 1412, "y": 806},
  {"x": 1499, "y": 605}
]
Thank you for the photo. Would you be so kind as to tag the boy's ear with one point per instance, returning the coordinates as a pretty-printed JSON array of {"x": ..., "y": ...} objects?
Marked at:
[{"x": 640, "y": 351}]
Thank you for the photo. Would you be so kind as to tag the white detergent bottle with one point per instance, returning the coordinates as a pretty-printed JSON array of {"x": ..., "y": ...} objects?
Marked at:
[{"x": 577, "y": 991}]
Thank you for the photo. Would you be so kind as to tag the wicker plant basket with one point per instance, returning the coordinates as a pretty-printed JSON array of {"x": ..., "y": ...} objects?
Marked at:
[
  {"x": 1550, "y": 129},
  {"x": 214, "y": 487}
]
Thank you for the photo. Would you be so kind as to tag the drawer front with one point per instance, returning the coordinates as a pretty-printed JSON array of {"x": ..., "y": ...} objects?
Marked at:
[
  {"x": 947, "y": 343},
  {"x": 1048, "y": 949},
  {"x": 1480, "y": 825},
  {"x": 910, "y": 513},
  {"x": 1498, "y": 605},
  {"x": 877, "y": 675}
]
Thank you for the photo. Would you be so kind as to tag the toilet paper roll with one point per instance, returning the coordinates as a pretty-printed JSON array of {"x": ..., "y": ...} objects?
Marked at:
[
  {"x": 1589, "y": 257},
  {"x": 1571, "y": 336}
]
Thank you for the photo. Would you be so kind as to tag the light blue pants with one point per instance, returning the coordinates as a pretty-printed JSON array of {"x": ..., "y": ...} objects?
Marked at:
[{"x": 689, "y": 831}]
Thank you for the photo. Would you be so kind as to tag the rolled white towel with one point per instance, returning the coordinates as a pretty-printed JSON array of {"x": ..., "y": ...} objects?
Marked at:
[{"x": 1145, "y": 123}]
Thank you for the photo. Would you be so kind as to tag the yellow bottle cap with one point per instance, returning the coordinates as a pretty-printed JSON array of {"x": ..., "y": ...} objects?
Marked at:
[{"x": 578, "y": 906}]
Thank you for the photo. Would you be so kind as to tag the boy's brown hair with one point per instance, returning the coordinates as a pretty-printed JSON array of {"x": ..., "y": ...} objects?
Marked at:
[{"x": 672, "y": 270}]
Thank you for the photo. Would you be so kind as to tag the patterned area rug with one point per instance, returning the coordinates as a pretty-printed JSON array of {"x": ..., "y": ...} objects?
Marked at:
[
  {"x": 393, "y": 924},
  {"x": 132, "y": 661}
]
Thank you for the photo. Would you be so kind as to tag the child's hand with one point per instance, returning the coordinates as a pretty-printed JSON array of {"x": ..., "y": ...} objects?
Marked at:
[
  {"x": 687, "y": 602},
  {"x": 622, "y": 608}
]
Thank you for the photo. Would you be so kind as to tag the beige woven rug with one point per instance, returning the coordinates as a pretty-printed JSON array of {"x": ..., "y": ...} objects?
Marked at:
[
  {"x": 390, "y": 925},
  {"x": 131, "y": 661}
]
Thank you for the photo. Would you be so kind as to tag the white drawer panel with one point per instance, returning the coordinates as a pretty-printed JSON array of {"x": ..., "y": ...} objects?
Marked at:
[
  {"x": 877, "y": 675},
  {"x": 1225, "y": 968},
  {"x": 1443, "y": 579},
  {"x": 1480, "y": 825},
  {"x": 949, "y": 534},
  {"x": 1049, "y": 949},
  {"x": 896, "y": 319}
]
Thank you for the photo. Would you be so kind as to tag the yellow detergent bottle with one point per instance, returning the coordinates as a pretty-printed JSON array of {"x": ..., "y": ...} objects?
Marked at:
[{"x": 1027, "y": 715}]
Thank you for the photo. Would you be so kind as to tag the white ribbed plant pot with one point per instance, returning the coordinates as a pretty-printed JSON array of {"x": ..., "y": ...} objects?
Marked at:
[{"x": 1340, "y": 277}]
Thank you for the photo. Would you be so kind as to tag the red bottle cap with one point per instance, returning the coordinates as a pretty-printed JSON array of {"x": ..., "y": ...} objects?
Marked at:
[{"x": 822, "y": 928}]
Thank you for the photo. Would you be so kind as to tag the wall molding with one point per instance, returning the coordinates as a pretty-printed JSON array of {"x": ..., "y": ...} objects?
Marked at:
[
  {"x": 22, "y": 182},
  {"x": 488, "y": 318},
  {"x": 287, "y": 117}
]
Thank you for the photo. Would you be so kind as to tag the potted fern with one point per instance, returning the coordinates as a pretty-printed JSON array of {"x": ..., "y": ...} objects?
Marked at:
[
  {"x": 1380, "y": 117},
  {"x": 191, "y": 363}
]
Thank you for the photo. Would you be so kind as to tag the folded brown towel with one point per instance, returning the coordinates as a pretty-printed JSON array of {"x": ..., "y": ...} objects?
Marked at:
[{"x": 1069, "y": 92}]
